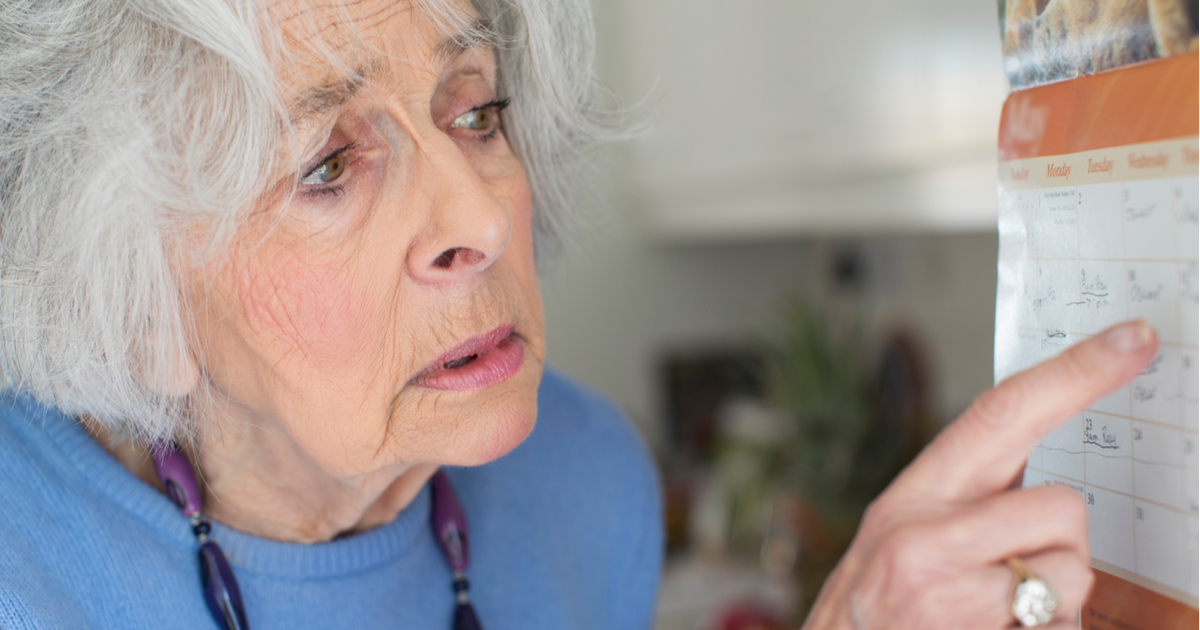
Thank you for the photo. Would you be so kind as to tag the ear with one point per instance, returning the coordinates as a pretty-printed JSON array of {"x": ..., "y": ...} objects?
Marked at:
[{"x": 166, "y": 369}]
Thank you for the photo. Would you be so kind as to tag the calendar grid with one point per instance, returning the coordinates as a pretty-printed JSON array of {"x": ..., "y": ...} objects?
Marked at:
[{"x": 1075, "y": 259}]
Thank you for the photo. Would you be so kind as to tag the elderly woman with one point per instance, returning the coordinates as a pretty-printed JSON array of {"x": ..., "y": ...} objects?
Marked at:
[{"x": 269, "y": 293}]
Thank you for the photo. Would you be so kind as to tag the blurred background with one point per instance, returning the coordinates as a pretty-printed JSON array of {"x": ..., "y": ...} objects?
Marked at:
[{"x": 788, "y": 283}]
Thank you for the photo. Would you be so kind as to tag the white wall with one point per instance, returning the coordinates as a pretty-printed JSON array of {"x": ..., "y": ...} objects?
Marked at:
[
  {"x": 621, "y": 299},
  {"x": 808, "y": 117}
]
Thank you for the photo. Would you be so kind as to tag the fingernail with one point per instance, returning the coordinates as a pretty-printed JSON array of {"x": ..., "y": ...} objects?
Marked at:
[{"x": 1130, "y": 337}]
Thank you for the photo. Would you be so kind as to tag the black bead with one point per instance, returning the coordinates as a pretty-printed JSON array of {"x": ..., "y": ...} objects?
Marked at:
[
  {"x": 461, "y": 585},
  {"x": 221, "y": 591},
  {"x": 202, "y": 528},
  {"x": 465, "y": 618}
]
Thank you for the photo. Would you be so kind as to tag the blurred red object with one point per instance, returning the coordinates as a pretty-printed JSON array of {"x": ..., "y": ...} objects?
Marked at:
[{"x": 748, "y": 616}]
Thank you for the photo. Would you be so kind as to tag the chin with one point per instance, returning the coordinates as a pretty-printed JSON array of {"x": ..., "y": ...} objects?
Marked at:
[
  {"x": 462, "y": 428},
  {"x": 497, "y": 424},
  {"x": 489, "y": 424},
  {"x": 501, "y": 436}
]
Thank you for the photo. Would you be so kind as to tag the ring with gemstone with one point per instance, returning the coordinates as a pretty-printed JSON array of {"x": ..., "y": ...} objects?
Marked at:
[{"x": 1033, "y": 601}]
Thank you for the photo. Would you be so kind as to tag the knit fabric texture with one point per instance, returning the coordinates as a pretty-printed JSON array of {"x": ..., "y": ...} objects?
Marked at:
[{"x": 565, "y": 533}]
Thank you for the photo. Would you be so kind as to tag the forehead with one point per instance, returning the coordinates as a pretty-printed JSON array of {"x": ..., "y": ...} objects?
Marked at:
[{"x": 331, "y": 48}]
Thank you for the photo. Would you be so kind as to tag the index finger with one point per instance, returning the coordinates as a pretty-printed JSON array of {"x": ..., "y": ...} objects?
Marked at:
[{"x": 983, "y": 451}]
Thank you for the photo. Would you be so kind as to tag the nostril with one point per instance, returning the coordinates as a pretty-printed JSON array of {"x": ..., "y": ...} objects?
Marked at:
[
  {"x": 466, "y": 256},
  {"x": 446, "y": 259},
  {"x": 470, "y": 257}
]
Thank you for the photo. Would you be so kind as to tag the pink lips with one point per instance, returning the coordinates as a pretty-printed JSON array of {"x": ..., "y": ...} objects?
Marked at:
[{"x": 477, "y": 363}]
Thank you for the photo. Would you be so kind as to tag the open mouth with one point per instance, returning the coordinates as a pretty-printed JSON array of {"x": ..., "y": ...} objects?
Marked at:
[{"x": 477, "y": 363}]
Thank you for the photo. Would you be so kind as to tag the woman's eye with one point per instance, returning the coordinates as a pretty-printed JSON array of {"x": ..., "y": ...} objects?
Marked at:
[
  {"x": 475, "y": 120},
  {"x": 327, "y": 171}
]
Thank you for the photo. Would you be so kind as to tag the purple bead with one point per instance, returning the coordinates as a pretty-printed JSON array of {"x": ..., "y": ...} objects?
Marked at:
[
  {"x": 465, "y": 618},
  {"x": 449, "y": 523},
  {"x": 221, "y": 589},
  {"x": 175, "y": 473}
]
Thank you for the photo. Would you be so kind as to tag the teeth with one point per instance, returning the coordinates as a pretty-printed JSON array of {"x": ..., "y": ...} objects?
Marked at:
[{"x": 460, "y": 362}]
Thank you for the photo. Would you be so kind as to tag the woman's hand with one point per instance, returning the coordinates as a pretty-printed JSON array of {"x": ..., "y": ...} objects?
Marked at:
[{"x": 930, "y": 551}]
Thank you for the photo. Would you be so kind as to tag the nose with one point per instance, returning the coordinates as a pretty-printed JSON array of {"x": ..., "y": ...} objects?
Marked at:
[{"x": 468, "y": 226}]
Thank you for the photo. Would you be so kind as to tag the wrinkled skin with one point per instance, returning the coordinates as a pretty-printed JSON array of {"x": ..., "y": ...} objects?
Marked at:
[
  {"x": 930, "y": 551},
  {"x": 333, "y": 300}
]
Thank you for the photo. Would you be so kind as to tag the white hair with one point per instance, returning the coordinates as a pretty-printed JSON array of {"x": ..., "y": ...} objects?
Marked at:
[{"x": 127, "y": 123}]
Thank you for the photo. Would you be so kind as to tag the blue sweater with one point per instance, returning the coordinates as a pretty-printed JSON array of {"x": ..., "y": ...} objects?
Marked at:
[{"x": 566, "y": 533}]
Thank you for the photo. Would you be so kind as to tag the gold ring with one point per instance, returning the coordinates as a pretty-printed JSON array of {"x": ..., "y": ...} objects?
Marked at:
[{"x": 1032, "y": 601}]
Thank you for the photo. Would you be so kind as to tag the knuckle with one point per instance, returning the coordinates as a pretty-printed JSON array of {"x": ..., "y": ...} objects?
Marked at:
[
  {"x": 1073, "y": 512},
  {"x": 1065, "y": 504},
  {"x": 1060, "y": 513},
  {"x": 891, "y": 577},
  {"x": 993, "y": 406},
  {"x": 905, "y": 549}
]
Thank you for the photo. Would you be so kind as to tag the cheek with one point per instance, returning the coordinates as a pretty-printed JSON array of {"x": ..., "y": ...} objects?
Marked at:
[
  {"x": 520, "y": 252},
  {"x": 520, "y": 203},
  {"x": 303, "y": 311}
]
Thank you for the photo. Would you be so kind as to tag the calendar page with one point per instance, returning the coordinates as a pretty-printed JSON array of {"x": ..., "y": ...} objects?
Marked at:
[{"x": 1098, "y": 224}]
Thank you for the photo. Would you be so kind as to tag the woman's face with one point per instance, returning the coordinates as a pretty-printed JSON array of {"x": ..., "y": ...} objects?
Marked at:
[{"x": 391, "y": 312}]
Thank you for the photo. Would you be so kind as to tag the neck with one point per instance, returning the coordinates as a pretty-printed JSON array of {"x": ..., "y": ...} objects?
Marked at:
[{"x": 261, "y": 484}]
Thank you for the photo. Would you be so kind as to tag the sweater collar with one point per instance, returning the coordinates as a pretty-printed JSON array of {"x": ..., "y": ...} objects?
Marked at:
[{"x": 107, "y": 477}]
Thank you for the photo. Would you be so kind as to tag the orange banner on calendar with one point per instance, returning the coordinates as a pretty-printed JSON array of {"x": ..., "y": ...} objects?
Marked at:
[
  {"x": 1148, "y": 102},
  {"x": 1117, "y": 604},
  {"x": 1148, "y": 160}
]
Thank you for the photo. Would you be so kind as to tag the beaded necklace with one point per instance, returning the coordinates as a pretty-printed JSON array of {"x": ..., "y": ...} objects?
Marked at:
[{"x": 216, "y": 576}]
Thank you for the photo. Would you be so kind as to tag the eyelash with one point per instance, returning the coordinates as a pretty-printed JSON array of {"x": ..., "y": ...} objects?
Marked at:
[
  {"x": 337, "y": 189},
  {"x": 499, "y": 105},
  {"x": 327, "y": 190}
]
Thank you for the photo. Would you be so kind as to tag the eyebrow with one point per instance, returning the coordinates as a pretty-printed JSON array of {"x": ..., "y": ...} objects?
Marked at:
[
  {"x": 477, "y": 33},
  {"x": 319, "y": 99}
]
